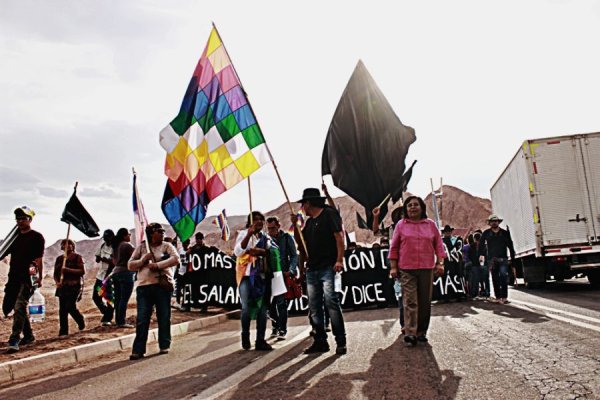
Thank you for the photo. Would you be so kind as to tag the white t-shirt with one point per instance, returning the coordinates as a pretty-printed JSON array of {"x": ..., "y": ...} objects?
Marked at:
[
  {"x": 105, "y": 251},
  {"x": 238, "y": 250}
]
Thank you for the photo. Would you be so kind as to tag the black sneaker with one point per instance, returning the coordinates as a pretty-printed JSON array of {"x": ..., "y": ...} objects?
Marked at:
[
  {"x": 246, "y": 342},
  {"x": 274, "y": 333},
  {"x": 317, "y": 347},
  {"x": 281, "y": 335},
  {"x": 262, "y": 346},
  {"x": 27, "y": 340},
  {"x": 422, "y": 338},
  {"x": 135, "y": 356},
  {"x": 341, "y": 350},
  {"x": 410, "y": 340}
]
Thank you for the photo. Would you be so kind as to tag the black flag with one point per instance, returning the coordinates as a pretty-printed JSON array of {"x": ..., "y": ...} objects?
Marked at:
[
  {"x": 361, "y": 222},
  {"x": 366, "y": 144},
  {"x": 76, "y": 215}
]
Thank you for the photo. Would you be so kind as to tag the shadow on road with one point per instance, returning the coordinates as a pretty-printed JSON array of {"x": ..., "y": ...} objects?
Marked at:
[
  {"x": 574, "y": 292},
  {"x": 291, "y": 380},
  {"x": 412, "y": 372},
  {"x": 197, "y": 379},
  {"x": 464, "y": 309},
  {"x": 461, "y": 309},
  {"x": 62, "y": 382}
]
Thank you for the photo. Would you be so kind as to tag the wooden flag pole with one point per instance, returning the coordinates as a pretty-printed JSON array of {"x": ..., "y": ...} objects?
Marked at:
[
  {"x": 384, "y": 200},
  {"x": 250, "y": 200},
  {"x": 64, "y": 263},
  {"x": 266, "y": 145}
]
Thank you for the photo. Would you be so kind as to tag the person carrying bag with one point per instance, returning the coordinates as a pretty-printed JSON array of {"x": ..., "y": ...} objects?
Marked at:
[{"x": 152, "y": 261}]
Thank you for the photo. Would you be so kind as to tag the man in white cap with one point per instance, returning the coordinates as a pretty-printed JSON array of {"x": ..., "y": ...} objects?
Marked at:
[
  {"x": 492, "y": 248},
  {"x": 24, "y": 275}
]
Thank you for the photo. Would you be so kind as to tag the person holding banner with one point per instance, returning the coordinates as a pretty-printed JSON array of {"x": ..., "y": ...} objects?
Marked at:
[
  {"x": 251, "y": 249},
  {"x": 68, "y": 286},
  {"x": 24, "y": 275},
  {"x": 153, "y": 262},
  {"x": 416, "y": 252},
  {"x": 325, "y": 249},
  {"x": 289, "y": 266}
]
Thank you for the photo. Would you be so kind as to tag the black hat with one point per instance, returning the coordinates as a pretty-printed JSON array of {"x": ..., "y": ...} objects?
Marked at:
[
  {"x": 311, "y": 194},
  {"x": 447, "y": 228}
]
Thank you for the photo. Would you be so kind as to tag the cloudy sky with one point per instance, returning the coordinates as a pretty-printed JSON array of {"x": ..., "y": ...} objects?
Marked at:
[{"x": 86, "y": 86}]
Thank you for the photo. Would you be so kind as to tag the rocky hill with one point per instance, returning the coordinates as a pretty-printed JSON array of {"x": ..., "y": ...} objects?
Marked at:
[{"x": 458, "y": 208}]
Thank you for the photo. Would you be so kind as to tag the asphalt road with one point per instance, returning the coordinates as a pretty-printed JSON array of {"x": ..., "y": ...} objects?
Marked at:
[{"x": 544, "y": 345}]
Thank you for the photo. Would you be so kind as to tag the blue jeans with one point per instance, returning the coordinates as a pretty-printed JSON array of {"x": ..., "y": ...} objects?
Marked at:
[
  {"x": 278, "y": 313},
  {"x": 150, "y": 296},
  {"x": 500, "y": 277},
  {"x": 123, "y": 282},
  {"x": 261, "y": 317},
  {"x": 481, "y": 280},
  {"x": 320, "y": 286}
]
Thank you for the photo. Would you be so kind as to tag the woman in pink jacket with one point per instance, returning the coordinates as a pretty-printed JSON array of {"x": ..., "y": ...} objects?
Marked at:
[{"x": 416, "y": 252}]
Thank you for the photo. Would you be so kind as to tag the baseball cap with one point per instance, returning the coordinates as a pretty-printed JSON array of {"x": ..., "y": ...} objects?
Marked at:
[{"x": 24, "y": 211}]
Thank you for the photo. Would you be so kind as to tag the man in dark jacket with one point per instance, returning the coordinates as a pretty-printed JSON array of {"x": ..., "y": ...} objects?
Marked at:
[
  {"x": 24, "y": 276},
  {"x": 493, "y": 245},
  {"x": 289, "y": 264}
]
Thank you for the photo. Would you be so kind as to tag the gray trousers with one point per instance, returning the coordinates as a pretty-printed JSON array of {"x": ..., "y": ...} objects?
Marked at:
[{"x": 21, "y": 318}]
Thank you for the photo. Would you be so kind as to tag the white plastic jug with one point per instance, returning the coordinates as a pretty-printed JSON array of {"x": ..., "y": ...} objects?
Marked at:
[{"x": 37, "y": 307}]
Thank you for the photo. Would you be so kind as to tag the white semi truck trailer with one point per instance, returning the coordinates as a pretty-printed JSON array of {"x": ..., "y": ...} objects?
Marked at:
[{"x": 549, "y": 198}]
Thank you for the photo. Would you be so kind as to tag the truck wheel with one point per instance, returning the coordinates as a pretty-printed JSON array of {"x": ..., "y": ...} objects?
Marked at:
[{"x": 594, "y": 279}]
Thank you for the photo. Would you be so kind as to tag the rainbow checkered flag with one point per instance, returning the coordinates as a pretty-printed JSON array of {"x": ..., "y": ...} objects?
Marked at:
[
  {"x": 214, "y": 142},
  {"x": 301, "y": 220},
  {"x": 221, "y": 221}
]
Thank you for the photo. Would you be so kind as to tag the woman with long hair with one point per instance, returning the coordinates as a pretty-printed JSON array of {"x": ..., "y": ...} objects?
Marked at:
[
  {"x": 121, "y": 276},
  {"x": 416, "y": 251},
  {"x": 68, "y": 280}
]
